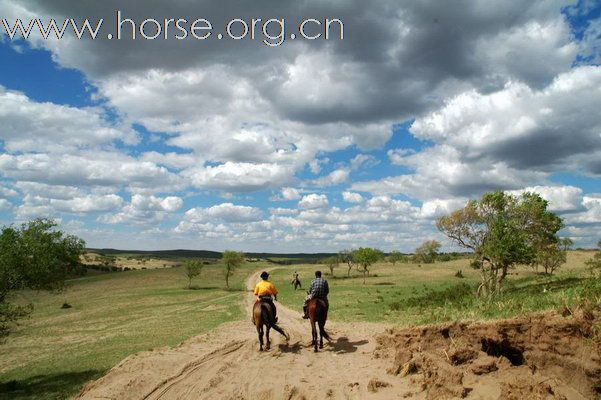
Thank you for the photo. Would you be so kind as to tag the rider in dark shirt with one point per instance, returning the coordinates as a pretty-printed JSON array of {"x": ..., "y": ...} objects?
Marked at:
[{"x": 319, "y": 289}]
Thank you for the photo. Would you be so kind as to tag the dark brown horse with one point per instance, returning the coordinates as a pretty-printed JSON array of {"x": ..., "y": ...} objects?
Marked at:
[
  {"x": 318, "y": 313},
  {"x": 263, "y": 316}
]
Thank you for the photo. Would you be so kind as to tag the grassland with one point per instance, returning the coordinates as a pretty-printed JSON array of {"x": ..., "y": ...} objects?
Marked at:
[
  {"x": 54, "y": 352},
  {"x": 407, "y": 293}
]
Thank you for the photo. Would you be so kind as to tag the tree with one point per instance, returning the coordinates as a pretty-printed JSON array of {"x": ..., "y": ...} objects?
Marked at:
[
  {"x": 552, "y": 254},
  {"x": 503, "y": 231},
  {"x": 551, "y": 257},
  {"x": 231, "y": 261},
  {"x": 34, "y": 256},
  {"x": 396, "y": 256},
  {"x": 332, "y": 263},
  {"x": 346, "y": 256},
  {"x": 566, "y": 243},
  {"x": 427, "y": 252},
  {"x": 365, "y": 257},
  {"x": 192, "y": 268}
]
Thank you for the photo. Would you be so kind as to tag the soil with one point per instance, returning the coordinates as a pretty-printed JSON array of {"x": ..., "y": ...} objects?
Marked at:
[{"x": 545, "y": 356}]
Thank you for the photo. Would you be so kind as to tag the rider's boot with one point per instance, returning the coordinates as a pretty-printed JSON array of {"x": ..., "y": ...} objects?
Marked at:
[{"x": 305, "y": 315}]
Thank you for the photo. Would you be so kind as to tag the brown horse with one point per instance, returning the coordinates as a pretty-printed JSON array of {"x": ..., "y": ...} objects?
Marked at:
[
  {"x": 318, "y": 313},
  {"x": 263, "y": 316}
]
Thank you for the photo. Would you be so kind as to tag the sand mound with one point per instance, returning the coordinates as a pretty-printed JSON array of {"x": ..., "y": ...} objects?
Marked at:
[{"x": 545, "y": 356}]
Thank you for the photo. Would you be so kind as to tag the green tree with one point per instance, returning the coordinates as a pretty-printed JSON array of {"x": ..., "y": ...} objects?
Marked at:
[
  {"x": 396, "y": 256},
  {"x": 331, "y": 263},
  {"x": 427, "y": 252},
  {"x": 192, "y": 268},
  {"x": 503, "y": 231},
  {"x": 365, "y": 257},
  {"x": 231, "y": 260},
  {"x": 551, "y": 257},
  {"x": 36, "y": 256}
]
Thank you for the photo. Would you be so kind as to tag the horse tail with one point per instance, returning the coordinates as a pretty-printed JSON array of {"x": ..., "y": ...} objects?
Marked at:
[
  {"x": 269, "y": 321},
  {"x": 320, "y": 316},
  {"x": 267, "y": 316}
]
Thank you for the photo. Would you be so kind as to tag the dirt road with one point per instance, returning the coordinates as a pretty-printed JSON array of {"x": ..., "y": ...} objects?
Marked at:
[{"x": 226, "y": 364}]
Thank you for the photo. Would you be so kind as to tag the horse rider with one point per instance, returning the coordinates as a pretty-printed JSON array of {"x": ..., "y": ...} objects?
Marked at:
[
  {"x": 319, "y": 289},
  {"x": 296, "y": 280},
  {"x": 264, "y": 291}
]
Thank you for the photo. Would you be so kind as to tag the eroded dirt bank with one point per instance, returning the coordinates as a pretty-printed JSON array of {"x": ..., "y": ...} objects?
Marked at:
[{"x": 543, "y": 356}]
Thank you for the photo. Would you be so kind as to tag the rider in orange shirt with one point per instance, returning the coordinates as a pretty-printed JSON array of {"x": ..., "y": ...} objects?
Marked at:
[{"x": 264, "y": 291}]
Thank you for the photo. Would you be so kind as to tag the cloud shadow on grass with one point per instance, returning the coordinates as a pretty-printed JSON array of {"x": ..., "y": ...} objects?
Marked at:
[{"x": 53, "y": 386}]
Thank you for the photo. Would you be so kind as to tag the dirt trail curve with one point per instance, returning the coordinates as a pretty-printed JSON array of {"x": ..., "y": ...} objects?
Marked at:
[{"x": 226, "y": 364}]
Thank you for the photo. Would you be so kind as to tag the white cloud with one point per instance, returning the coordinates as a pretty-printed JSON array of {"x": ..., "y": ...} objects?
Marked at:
[
  {"x": 144, "y": 210},
  {"x": 313, "y": 201},
  {"x": 437, "y": 208},
  {"x": 289, "y": 193},
  {"x": 336, "y": 177},
  {"x": 31, "y": 126},
  {"x": 5, "y": 205},
  {"x": 239, "y": 177},
  {"x": 351, "y": 197},
  {"x": 364, "y": 161},
  {"x": 560, "y": 198}
]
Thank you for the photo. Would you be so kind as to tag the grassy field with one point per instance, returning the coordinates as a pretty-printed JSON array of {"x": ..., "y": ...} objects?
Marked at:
[
  {"x": 407, "y": 294},
  {"x": 56, "y": 351}
]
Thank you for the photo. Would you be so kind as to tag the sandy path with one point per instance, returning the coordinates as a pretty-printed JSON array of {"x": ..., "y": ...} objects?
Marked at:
[{"x": 226, "y": 364}]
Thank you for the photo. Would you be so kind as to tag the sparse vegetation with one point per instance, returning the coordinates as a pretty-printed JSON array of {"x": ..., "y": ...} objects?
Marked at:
[
  {"x": 594, "y": 263},
  {"x": 231, "y": 260},
  {"x": 35, "y": 256},
  {"x": 332, "y": 263},
  {"x": 365, "y": 257},
  {"x": 427, "y": 252},
  {"x": 396, "y": 256},
  {"x": 192, "y": 268}
]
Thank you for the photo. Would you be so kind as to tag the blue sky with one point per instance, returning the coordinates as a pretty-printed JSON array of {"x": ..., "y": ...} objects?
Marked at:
[{"x": 305, "y": 147}]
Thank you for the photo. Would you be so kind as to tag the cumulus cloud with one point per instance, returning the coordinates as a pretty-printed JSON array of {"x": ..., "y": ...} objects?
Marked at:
[
  {"x": 313, "y": 201},
  {"x": 238, "y": 117},
  {"x": 351, "y": 197},
  {"x": 561, "y": 198},
  {"x": 335, "y": 177},
  {"x": 144, "y": 210},
  {"x": 31, "y": 126}
]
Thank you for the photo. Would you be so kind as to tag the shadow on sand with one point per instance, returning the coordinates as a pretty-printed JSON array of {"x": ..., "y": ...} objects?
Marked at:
[{"x": 343, "y": 345}]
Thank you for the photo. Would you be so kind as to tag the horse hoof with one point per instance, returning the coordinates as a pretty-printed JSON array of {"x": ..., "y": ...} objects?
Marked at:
[
  {"x": 267, "y": 348},
  {"x": 315, "y": 351},
  {"x": 321, "y": 346},
  {"x": 261, "y": 349}
]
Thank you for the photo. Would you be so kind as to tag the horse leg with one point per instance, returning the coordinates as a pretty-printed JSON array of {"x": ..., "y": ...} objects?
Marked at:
[
  {"x": 322, "y": 333},
  {"x": 260, "y": 332},
  {"x": 314, "y": 334},
  {"x": 267, "y": 335}
]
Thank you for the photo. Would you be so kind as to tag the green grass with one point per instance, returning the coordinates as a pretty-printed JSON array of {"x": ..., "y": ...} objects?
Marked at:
[
  {"x": 55, "y": 352},
  {"x": 409, "y": 294},
  {"x": 52, "y": 354}
]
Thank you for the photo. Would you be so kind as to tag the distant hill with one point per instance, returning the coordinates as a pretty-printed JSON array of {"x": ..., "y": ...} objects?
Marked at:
[{"x": 278, "y": 258}]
